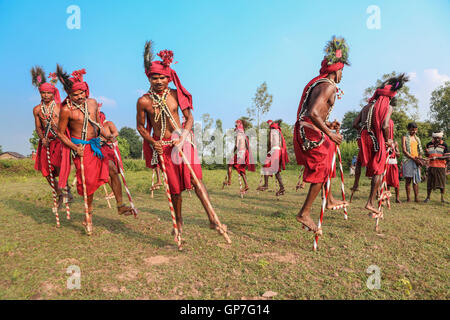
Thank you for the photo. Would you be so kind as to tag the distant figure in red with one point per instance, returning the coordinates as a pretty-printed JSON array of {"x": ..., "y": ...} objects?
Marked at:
[
  {"x": 242, "y": 158},
  {"x": 376, "y": 136},
  {"x": 277, "y": 157},
  {"x": 392, "y": 174},
  {"x": 314, "y": 139}
]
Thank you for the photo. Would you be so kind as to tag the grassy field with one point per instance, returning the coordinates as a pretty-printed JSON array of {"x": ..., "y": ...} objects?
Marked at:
[{"x": 129, "y": 258}]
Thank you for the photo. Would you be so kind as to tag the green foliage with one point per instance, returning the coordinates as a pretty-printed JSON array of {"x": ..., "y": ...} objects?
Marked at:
[
  {"x": 406, "y": 102},
  {"x": 13, "y": 167},
  {"x": 133, "y": 140},
  {"x": 261, "y": 103},
  {"x": 34, "y": 141},
  {"x": 133, "y": 165},
  {"x": 1, "y": 150},
  {"x": 288, "y": 133},
  {"x": 347, "y": 129},
  {"x": 440, "y": 108},
  {"x": 219, "y": 125},
  {"x": 348, "y": 150},
  {"x": 124, "y": 147}
]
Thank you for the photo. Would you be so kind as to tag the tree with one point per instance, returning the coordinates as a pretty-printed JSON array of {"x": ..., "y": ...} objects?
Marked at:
[
  {"x": 405, "y": 110},
  {"x": 248, "y": 120},
  {"x": 347, "y": 129},
  {"x": 207, "y": 122},
  {"x": 406, "y": 102},
  {"x": 1, "y": 150},
  {"x": 34, "y": 140},
  {"x": 124, "y": 147},
  {"x": 261, "y": 103},
  {"x": 219, "y": 126},
  {"x": 440, "y": 108},
  {"x": 133, "y": 140}
]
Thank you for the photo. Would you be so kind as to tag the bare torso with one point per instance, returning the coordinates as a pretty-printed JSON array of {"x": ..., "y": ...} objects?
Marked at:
[
  {"x": 41, "y": 119},
  {"x": 76, "y": 119},
  {"x": 148, "y": 105}
]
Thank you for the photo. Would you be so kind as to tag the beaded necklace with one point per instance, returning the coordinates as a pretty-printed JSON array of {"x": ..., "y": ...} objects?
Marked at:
[{"x": 47, "y": 112}]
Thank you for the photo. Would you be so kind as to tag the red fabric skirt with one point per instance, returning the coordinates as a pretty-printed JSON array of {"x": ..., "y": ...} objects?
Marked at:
[
  {"x": 317, "y": 161},
  {"x": 392, "y": 179},
  {"x": 177, "y": 171},
  {"x": 108, "y": 153},
  {"x": 273, "y": 163},
  {"x": 242, "y": 163},
  {"x": 369, "y": 158},
  {"x": 96, "y": 171},
  {"x": 41, "y": 163}
]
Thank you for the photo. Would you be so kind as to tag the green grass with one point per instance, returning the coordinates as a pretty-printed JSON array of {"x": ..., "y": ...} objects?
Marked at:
[{"x": 129, "y": 258}]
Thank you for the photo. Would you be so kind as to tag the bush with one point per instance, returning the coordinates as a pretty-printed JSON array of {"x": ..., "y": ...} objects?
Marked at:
[
  {"x": 133, "y": 165},
  {"x": 24, "y": 167},
  {"x": 348, "y": 150}
]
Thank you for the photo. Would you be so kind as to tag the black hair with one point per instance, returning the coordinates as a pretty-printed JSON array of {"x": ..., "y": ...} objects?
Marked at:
[{"x": 411, "y": 125}]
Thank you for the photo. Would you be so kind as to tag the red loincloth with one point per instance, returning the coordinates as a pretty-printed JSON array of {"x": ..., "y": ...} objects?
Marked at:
[
  {"x": 279, "y": 157},
  {"x": 108, "y": 153},
  {"x": 242, "y": 163},
  {"x": 41, "y": 163},
  {"x": 178, "y": 173},
  {"x": 317, "y": 161},
  {"x": 392, "y": 179},
  {"x": 96, "y": 171}
]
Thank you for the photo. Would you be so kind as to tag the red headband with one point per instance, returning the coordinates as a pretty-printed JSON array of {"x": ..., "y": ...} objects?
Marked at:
[{"x": 48, "y": 87}]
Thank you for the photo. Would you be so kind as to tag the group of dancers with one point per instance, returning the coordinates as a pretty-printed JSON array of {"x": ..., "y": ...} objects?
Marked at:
[{"x": 76, "y": 130}]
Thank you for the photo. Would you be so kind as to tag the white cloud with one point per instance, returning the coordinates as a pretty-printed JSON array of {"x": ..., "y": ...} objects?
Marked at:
[
  {"x": 107, "y": 102},
  {"x": 422, "y": 85}
]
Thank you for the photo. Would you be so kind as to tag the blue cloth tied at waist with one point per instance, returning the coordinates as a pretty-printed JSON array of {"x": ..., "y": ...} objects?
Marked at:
[{"x": 94, "y": 143}]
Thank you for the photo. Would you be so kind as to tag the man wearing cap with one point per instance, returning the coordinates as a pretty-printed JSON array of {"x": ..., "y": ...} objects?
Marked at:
[
  {"x": 438, "y": 155},
  {"x": 314, "y": 137}
]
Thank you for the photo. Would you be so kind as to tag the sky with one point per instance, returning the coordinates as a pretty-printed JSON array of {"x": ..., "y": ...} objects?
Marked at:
[{"x": 224, "y": 49}]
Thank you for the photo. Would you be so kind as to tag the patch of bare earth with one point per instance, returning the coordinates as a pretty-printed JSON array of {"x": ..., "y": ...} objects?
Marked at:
[
  {"x": 287, "y": 258},
  {"x": 156, "y": 260}
]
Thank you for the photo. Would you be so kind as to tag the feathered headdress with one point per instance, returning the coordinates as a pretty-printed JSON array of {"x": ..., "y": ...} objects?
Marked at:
[
  {"x": 336, "y": 50},
  {"x": 167, "y": 57},
  {"x": 148, "y": 54},
  {"x": 54, "y": 77},
  {"x": 278, "y": 122},
  {"x": 64, "y": 78},
  {"x": 396, "y": 82},
  {"x": 38, "y": 76}
]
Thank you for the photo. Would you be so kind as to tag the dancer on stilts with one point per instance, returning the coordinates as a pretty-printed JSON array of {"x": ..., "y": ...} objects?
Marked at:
[
  {"x": 314, "y": 139},
  {"x": 79, "y": 130},
  {"x": 277, "y": 157},
  {"x": 48, "y": 156},
  {"x": 111, "y": 152},
  {"x": 376, "y": 138},
  {"x": 242, "y": 158},
  {"x": 159, "y": 108}
]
